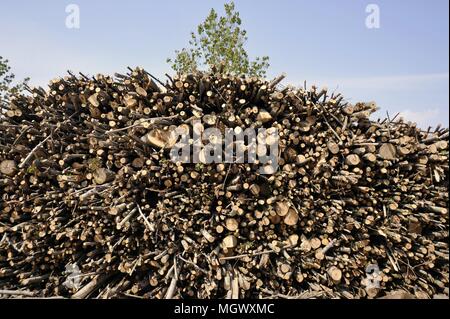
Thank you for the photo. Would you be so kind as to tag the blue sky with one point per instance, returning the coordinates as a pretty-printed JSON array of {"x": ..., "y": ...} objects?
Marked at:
[{"x": 403, "y": 65}]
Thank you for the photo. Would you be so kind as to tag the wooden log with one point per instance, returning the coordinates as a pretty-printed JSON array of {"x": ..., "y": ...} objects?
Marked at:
[
  {"x": 102, "y": 176},
  {"x": 229, "y": 241},
  {"x": 335, "y": 274},
  {"x": 291, "y": 218},
  {"x": 387, "y": 151},
  {"x": 8, "y": 167},
  {"x": 352, "y": 160},
  {"x": 231, "y": 224}
]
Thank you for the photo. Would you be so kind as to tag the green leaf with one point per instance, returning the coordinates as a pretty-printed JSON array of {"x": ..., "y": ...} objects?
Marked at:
[{"x": 219, "y": 40}]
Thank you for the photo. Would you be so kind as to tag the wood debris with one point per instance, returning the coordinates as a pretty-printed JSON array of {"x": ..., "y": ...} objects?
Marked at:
[{"x": 86, "y": 180}]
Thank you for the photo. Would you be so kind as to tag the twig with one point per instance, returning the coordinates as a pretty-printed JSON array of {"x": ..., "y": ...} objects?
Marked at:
[
  {"x": 91, "y": 286},
  {"x": 329, "y": 246},
  {"x": 146, "y": 222},
  {"x": 26, "y": 159},
  {"x": 17, "y": 293},
  {"x": 193, "y": 264},
  {"x": 154, "y": 120},
  {"x": 252, "y": 254},
  {"x": 173, "y": 283}
]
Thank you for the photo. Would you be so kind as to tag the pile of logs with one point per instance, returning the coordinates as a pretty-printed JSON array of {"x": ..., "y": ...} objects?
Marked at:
[{"x": 92, "y": 206}]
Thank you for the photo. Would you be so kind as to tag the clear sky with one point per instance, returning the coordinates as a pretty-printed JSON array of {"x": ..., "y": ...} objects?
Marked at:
[{"x": 403, "y": 64}]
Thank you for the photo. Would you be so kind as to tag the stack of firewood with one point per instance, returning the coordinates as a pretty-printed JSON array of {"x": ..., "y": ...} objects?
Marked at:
[{"x": 92, "y": 205}]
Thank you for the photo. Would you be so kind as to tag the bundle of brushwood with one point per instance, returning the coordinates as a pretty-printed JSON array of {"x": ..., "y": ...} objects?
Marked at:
[{"x": 93, "y": 207}]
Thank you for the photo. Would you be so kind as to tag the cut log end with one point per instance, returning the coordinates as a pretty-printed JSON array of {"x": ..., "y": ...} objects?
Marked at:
[{"x": 8, "y": 167}]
